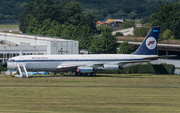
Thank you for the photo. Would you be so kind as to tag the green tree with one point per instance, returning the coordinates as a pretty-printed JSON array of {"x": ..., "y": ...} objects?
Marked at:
[
  {"x": 65, "y": 20},
  {"x": 132, "y": 15},
  {"x": 167, "y": 34},
  {"x": 68, "y": 32},
  {"x": 2, "y": 17},
  {"x": 41, "y": 10},
  {"x": 124, "y": 48},
  {"x": 106, "y": 43},
  {"x": 119, "y": 34},
  {"x": 167, "y": 16},
  {"x": 90, "y": 20},
  {"x": 70, "y": 13},
  {"x": 148, "y": 19},
  {"x": 54, "y": 29},
  {"x": 96, "y": 45},
  {"x": 127, "y": 24},
  {"x": 67, "y": 13},
  {"x": 33, "y": 26},
  {"x": 141, "y": 31},
  {"x": 45, "y": 27},
  {"x": 100, "y": 9},
  {"x": 83, "y": 34}
]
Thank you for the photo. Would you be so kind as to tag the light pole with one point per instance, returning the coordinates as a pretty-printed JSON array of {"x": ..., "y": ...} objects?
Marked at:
[{"x": 5, "y": 36}]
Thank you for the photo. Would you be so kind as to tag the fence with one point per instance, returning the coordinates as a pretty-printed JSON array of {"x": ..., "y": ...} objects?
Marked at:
[{"x": 92, "y": 80}]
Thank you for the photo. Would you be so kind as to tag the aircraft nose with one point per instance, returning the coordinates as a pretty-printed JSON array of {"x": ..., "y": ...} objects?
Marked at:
[{"x": 4, "y": 64}]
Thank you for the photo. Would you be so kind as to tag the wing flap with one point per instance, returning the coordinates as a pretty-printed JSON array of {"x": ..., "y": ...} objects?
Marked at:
[{"x": 139, "y": 61}]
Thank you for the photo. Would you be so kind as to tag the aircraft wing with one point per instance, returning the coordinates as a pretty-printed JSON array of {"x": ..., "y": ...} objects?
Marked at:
[
  {"x": 146, "y": 59},
  {"x": 64, "y": 66}
]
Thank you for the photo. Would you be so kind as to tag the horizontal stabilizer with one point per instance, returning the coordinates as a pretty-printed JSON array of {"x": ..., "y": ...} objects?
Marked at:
[{"x": 164, "y": 56}]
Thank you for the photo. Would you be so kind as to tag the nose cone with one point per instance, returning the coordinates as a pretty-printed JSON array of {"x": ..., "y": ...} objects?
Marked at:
[{"x": 4, "y": 64}]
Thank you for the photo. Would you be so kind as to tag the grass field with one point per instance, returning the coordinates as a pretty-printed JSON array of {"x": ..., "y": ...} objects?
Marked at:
[
  {"x": 135, "y": 93},
  {"x": 9, "y": 26}
]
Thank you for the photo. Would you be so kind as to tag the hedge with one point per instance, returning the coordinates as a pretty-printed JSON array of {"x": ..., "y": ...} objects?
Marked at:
[
  {"x": 2, "y": 68},
  {"x": 144, "y": 68}
]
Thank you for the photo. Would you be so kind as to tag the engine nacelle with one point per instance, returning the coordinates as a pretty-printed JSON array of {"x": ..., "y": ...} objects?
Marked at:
[
  {"x": 85, "y": 69},
  {"x": 112, "y": 67}
]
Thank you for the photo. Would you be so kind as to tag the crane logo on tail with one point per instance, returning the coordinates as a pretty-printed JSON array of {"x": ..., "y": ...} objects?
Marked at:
[{"x": 151, "y": 43}]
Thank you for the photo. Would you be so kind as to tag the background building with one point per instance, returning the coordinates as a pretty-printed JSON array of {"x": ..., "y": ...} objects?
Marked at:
[{"x": 18, "y": 44}]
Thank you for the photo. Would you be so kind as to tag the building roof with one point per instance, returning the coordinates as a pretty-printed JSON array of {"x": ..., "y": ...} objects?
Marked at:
[
  {"x": 34, "y": 37},
  {"x": 8, "y": 49},
  {"x": 98, "y": 22},
  {"x": 119, "y": 20},
  {"x": 164, "y": 47}
]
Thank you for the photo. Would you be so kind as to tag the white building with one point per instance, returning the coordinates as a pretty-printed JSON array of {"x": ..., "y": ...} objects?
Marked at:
[{"x": 18, "y": 44}]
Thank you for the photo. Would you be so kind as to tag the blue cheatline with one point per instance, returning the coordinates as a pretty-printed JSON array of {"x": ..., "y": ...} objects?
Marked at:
[
  {"x": 75, "y": 60},
  {"x": 149, "y": 45}
]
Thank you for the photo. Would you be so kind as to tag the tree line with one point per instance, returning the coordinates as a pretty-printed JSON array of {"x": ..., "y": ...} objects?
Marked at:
[
  {"x": 168, "y": 18},
  {"x": 66, "y": 20},
  {"x": 11, "y": 9}
]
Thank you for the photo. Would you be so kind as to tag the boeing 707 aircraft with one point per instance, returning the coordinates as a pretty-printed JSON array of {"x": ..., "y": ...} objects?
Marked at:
[{"x": 88, "y": 64}]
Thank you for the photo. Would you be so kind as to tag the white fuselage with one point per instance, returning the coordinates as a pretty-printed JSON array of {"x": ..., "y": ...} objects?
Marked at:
[{"x": 71, "y": 62}]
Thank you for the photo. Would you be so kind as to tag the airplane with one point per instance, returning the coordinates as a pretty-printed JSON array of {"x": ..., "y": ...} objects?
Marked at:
[{"x": 88, "y": 64}]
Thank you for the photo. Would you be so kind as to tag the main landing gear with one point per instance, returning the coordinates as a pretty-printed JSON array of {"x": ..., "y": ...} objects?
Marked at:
[{"x": 85, "y": 74}]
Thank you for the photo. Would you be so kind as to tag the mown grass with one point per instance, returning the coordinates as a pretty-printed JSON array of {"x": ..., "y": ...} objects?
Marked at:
[
  {"x": 88, "y": 94},
  {"x": 9, "y": 26},
  {"x": 100, "y": 79}
]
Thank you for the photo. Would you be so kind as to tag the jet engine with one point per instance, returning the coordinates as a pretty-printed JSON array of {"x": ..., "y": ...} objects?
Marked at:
[
  {"x": 85, "y": 69},
  {"x": 112, "y": 67}
]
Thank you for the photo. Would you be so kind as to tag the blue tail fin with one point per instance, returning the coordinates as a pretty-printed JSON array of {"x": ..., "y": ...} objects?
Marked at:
[{"x": 149, "y": 45}]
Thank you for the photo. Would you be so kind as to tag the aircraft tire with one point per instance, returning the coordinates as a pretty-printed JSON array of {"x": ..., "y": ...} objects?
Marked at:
[
  {"x": 93, "y": 74},
  {"x": 78, "y": 74},
  {"x": 88, "y": 74}
]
